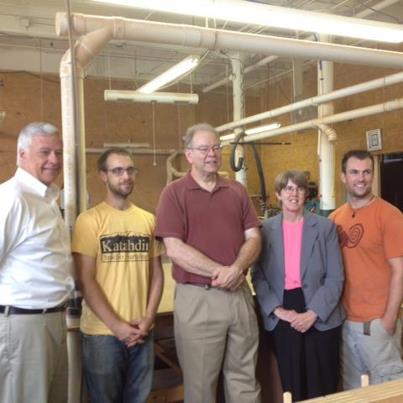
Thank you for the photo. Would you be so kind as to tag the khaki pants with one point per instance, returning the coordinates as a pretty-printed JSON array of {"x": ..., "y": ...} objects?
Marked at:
[
  {"x": 214, "y": 330},
  {"x": 369, "y": 349},
  {"x": 33, "y": 358}
]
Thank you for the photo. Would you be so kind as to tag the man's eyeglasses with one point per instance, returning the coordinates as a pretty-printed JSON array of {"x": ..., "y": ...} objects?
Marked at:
[
  {"x": 119, "y": 171},
  {"x": 205, "y": 149},
  {"x": 291, "y": 189}
]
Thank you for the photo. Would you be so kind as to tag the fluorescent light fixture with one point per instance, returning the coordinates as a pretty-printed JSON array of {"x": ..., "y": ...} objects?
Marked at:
[
  {"x": 159, "y": 97},
  {"x": 252, "y": 130},
  {"x": 179, "y": 70},
  {"x": 273, "y": 16}
]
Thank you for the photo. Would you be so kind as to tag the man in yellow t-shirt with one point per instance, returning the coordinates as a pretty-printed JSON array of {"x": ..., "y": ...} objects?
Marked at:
[
  {"x": 371, "y": 237},
  {"x": 119, "y": 272}
]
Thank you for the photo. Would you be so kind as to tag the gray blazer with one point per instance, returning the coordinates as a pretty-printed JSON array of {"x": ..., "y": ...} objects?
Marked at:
[{"x": 321, "y": 271}]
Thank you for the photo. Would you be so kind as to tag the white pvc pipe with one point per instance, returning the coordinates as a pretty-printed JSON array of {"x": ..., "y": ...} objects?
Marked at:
[
  {"x": 269, "y": 59},
  {"x": 317, "y": 100},
  {"x": 327, "y": 195},
  {"x": 246, "y": 70},
  {"x": 238, "y": 100},
  {"x": 74, "y": 172},
  {"x": 185, "y": 35},
  {"x": 339, "y": 117},
  {"x": 69, "y": 146}
]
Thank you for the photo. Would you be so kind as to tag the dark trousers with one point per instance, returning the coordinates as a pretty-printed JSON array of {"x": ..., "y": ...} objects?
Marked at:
[{"x": 308, "y": 362}]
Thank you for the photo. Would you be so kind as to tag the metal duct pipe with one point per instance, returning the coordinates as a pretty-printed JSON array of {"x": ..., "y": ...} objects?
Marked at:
[{"x": 186, "y": 35}]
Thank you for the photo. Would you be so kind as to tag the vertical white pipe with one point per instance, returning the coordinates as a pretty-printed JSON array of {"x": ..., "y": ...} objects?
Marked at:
[
  {"x": 238, "y": 109},
  {"x": 326, "y": 147},
  {"x": 69, "y": 153},
  {"x": 75, "y": 187},
  {"x": 80, "y": 140}
]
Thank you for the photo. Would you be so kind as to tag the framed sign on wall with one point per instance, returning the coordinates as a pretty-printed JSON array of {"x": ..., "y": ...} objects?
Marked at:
[{"x": 374, "y": 140}]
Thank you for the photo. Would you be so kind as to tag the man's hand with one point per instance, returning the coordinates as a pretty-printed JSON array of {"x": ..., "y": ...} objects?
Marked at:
[
  {"x": 389, "y": 324},
  {"x": 285, "y": 314},
  {"x": 128, "y": 333},
  {"x": 228, "y": 277},
  {"x": 304, "y": 321},
  {"x": 144, "y": 325}
]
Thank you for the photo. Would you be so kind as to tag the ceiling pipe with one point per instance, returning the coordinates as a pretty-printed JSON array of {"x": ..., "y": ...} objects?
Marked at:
[
  {"x": 269, "y": 59},
  {"x": 74, "y": 180},
  {"x": 246, "y": 70},
  {"x": 186, "y": 35},
  {"x": 337, "y": 118},
  {"x": 317, "y": 100}
]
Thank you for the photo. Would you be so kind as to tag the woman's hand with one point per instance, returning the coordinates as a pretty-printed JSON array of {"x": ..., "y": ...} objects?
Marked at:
[
  {"x": 302, "y": 322},
  {"x": 285, "y": 314}
]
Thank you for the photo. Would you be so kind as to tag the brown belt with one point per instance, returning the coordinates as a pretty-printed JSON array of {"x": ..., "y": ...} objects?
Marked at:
[{"x": 205, "y": 286}]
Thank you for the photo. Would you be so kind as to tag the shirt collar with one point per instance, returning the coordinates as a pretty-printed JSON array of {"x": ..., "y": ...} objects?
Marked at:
[
  {"x": 35, "y": 186},
  {"x": 192, "y": 184}
]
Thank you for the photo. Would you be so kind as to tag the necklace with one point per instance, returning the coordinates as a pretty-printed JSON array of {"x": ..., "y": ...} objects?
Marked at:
[{"x": 355, "y": 210}]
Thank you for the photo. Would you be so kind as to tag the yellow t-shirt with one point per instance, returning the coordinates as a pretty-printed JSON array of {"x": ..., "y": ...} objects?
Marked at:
[{"x": 123, "y": 244}]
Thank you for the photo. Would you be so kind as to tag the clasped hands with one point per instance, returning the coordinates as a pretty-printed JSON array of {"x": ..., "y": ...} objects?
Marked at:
[
  {"x": 301, "y": 322},
  {"x": 228, "y": 277},
  {"x": 134, "y": 332}
]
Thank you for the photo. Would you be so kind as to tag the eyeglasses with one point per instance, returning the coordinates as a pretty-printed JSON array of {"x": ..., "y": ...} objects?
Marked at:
[
  {"x": 119, "y": 171},
  {"x": 291, "y": 189},
  {"x": 206, "y": 149}
]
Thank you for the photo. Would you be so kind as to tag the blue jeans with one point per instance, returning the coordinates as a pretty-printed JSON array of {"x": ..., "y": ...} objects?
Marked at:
[{"x": 115, "y": 373}]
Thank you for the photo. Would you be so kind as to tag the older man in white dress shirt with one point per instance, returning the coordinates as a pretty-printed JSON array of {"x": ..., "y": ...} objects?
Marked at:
[{"x": 35, "y": 273}]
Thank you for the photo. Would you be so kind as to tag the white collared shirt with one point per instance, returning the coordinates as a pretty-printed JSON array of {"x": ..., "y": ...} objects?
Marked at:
[{"x": 35, "y": 253}]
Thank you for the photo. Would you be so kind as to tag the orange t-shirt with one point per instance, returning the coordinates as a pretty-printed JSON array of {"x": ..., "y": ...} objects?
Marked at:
[{"x": 368, "y": 237}]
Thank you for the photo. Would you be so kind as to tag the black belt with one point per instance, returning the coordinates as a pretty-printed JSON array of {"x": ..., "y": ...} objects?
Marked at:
[{"x": 13, "y": 310}]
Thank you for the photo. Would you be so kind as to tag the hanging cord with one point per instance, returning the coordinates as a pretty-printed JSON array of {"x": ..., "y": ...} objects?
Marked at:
[{"x": 262, "y": 182}]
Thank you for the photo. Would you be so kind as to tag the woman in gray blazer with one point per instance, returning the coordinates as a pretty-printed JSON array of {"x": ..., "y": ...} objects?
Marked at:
[{"x": 298, "y": 281}]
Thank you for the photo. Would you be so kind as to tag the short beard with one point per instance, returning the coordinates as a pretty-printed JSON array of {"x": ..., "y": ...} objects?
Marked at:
[{"x": 117, "y": 193}]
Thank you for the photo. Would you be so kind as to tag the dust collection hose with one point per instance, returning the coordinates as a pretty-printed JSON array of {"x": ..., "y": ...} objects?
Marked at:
[{"x": 236, "y": 166}]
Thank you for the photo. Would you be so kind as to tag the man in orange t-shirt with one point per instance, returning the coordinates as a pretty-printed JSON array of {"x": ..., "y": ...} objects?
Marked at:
[{"x": 371, "y": 237}]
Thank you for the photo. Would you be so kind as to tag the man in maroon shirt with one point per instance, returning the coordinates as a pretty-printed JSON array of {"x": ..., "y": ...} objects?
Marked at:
[{"x": 211, "y": 233}]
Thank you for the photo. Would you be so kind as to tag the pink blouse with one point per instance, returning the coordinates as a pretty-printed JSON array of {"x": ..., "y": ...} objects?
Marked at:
[{"x": 292, "y": 234}]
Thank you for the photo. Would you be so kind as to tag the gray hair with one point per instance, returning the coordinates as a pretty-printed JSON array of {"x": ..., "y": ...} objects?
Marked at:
[
  {"x": 192, "y": 130},
  {"x": 34, "y": 129}
]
